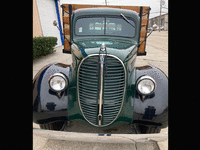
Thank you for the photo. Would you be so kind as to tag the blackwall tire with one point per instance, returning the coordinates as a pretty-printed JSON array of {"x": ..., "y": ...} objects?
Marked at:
[
  {"x": 153, "y": 130},
  {"x": 53, "y": 126},
  {"x": 149, "y": 129}
]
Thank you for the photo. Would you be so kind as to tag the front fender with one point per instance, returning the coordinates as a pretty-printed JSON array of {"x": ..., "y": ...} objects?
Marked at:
[
  {"x": 49, "y": 106},
  {"x": 152, "y": 109}
]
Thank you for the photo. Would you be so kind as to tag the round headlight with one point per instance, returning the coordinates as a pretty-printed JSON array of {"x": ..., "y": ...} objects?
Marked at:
[
  {"x": 58, "y": 82},
  {"x": 146, "y": 85}
]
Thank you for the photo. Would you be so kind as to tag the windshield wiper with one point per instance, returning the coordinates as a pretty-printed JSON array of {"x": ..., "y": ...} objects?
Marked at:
[{"x": 126, "y": 19}]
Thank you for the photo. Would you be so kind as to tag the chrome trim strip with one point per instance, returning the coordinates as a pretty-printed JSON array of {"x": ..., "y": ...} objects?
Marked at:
[
  {"x": 101, "y": 90},
  {"x": 78, "y": 88}
]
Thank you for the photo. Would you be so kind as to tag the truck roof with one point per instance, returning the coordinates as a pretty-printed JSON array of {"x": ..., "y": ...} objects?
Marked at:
[{"x": 105, "y": 11}]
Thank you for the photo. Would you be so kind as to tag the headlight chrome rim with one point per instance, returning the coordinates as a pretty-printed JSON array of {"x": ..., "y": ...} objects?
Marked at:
[
  {"x": 58, "y": 75},
  {"x": 145, "y": 77}
]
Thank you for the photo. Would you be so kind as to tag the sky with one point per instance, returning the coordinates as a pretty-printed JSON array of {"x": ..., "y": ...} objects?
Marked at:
[{"x": 154, "y": 4}]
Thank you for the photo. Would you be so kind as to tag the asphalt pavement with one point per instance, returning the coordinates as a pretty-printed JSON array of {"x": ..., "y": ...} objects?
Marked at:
[{"x": 157, "y": 55}]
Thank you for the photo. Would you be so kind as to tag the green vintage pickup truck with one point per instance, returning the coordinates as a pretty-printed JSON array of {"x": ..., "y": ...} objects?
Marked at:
[{"x": 102, "y": 86}]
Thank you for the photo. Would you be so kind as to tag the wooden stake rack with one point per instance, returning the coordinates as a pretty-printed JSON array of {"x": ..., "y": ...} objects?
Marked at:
[{"x": 143, "y": 12}]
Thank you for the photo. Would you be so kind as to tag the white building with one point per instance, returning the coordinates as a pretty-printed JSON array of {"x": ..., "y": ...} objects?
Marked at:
[
  {"x": 44, "y": 13},
  {"x": 156, "y": 20}
]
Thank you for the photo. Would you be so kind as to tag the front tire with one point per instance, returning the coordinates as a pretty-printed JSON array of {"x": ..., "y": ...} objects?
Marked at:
[
  {"x": 53, "y": 126},
  {"x": 149, "y": 129}
]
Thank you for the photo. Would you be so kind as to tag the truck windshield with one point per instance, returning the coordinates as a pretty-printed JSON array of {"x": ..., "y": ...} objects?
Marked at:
[{"x": 97, "y": 26}]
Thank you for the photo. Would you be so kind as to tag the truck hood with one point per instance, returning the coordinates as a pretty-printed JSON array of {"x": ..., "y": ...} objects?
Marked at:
[{"x": 119, "y": 47}]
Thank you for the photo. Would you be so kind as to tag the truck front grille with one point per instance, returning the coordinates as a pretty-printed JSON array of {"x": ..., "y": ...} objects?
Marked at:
[{"x": 113, "y": 88}]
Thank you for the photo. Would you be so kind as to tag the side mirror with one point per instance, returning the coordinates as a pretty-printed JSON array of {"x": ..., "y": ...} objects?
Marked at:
[
  {"x": 67, "y": 43},
  {"x": 54, "y": 23}
]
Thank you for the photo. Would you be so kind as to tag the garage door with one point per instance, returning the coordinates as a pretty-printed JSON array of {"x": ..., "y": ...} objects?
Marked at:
[{"x": 47, "y": 14}]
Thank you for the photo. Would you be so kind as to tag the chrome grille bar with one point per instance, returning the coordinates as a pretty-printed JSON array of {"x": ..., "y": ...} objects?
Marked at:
[
  {"x": 101, "y": 89},
  {"x": 101, "y": 95}
]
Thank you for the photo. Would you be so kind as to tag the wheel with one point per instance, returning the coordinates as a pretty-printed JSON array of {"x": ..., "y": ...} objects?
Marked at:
[
  {"x": 53, "y": 126},
  {"x": 149, "y": 129}
]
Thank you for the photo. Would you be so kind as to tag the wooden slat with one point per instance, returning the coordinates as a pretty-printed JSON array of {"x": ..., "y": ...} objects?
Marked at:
[
  {"x": 74, "y": 7},
  {"x": 141, "y": 39},
  {"x": 66, "y": 19},
  {"x": 67, "y": 36},
  {"x": 135, "y": 8},
  {"x": 66, "y": 7},
  {"x": 143, "y": 33},
  {"x": 67, "y": 30},
  {"x": 145, "y": 9},
  {"x": 144, "y": 22},
  {"x": 143, "y": 28},
  {"x": 66, "y": 45},
  {"x": 142, "y": 48}
]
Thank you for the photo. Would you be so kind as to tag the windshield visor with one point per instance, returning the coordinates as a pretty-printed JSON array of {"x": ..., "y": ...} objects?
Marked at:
[{"x": 97, "y": 26}]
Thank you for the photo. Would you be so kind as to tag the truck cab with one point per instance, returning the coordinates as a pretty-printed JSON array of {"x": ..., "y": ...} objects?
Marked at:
[{"x": 102, "y": 86}]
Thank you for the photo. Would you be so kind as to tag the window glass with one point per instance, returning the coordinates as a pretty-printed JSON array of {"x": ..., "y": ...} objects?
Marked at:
[
  {"x": 119, "y": 27},
  {"x": 95, "y": 26},
  {"x": 90, "y": 26}
]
